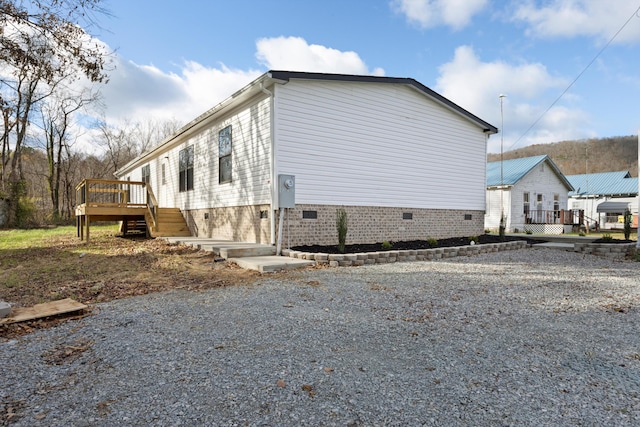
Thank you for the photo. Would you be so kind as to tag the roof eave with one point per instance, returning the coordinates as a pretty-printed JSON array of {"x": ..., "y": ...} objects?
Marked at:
[
  {"x": 285, "y": 76},
  {"x": 194, "y": 124}
]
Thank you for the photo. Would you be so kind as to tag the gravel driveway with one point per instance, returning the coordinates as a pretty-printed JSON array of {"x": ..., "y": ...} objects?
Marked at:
[{"x": 532, "y": 337}]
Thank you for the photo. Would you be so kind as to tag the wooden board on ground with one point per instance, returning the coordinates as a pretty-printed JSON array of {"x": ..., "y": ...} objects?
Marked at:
[{"x": 22, "y": 314}]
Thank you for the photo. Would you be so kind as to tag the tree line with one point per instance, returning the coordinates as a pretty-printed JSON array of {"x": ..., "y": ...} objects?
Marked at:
[
  {"x": 619, "y": 153},
  {"x": 50, "y": 69}
]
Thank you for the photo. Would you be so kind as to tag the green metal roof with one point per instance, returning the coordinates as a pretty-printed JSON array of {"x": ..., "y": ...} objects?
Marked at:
[
  {"x": 515, "y": 169},
  {"x": 604, "y": 184}
]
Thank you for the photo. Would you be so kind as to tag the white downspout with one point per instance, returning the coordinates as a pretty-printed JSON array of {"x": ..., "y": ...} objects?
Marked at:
[{"x": 272, "y": 219}]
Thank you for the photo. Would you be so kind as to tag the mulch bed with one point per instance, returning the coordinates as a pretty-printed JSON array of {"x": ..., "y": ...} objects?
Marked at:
[
  {"x": 413, "y": 244},
  {"x": 613, "y": 241}
]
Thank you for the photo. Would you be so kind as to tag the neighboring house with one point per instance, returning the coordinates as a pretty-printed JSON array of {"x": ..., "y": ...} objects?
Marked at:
[
  {"x": 604, "y": 197},
  {"x": 403, "y": 161},
  {"x": 532, "y": 194}
]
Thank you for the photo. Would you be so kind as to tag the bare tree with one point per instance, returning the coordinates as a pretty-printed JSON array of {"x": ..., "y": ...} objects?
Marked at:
[
  {"x": 119, "y": 144},
  {"x": 125, "y": 142},
  {"x": 57, "y": 119},
  {"x": 41, "y": 45}
]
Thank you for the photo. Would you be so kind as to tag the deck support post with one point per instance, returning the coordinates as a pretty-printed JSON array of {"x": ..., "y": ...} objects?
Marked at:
[{"x": 81, "y": 226}]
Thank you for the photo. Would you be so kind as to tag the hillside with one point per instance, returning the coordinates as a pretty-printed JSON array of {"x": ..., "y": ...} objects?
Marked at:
[{"x": 591, "y": 155}]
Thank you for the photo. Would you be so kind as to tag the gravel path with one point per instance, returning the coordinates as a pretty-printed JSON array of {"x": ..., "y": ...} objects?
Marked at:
[{"x": 533, "y": 337}]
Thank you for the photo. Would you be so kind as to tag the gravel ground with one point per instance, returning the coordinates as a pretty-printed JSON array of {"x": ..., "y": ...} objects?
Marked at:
[{"x": 534, "y": 337}]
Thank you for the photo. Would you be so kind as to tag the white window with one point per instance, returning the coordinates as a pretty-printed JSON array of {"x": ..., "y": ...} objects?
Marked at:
[
  {"x": 146, "y": 174},
  {"x": 185, "y": 166},
  {"x": 224, "y": 155}
]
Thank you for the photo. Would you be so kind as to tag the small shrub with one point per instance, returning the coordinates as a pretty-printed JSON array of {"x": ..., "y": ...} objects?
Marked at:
[
  {"x": 581, "y": 234},
  {"x": 627, "y": 224},
  {"x": 607, "y": 237},
  {"x": 432, "y": 242},
  {"x": 503, "y": 222},
  {"x": 386, "y": 245},
  {"x": 528, "y": 231},
  {"x": 342, "y": 225},
  {"x": 474, "y": 239}
]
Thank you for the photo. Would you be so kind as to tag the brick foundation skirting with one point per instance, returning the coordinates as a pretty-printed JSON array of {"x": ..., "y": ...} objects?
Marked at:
[
  {"x": 384, "y": 257},
  {"x": 308, "y": 224},
  {"x": 240, "y": 223}
]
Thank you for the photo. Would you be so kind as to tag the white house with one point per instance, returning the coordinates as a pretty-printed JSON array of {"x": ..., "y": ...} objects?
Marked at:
[
  {"x": 403, "y": 161},
  {"x": 532, "y": 194},
  {"x": 604, "y": 197}
]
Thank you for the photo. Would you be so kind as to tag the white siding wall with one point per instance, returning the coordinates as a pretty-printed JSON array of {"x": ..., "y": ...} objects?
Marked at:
[
  {"x": 494, "y": 209},
  {"x": 540, "y": 180},
  {"x": 590, "y": 207},
  {"x": 367, "y": 144},
  {"x": 251, "y": 157}
]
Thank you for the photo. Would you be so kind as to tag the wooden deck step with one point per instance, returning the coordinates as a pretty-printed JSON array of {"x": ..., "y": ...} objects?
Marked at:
[{"x": 170, "y": 222}]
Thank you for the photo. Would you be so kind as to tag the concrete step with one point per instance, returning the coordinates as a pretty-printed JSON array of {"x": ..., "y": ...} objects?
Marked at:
[
  {"x": 225, "y": 248},
  {"x": 242, "y": 252},
  {"x": 251, "y": 256},
  {"x": 270, "y": 264}
]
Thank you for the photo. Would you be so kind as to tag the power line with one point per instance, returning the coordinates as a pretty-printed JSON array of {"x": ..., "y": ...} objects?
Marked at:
[{"x": 636, "y": 14}]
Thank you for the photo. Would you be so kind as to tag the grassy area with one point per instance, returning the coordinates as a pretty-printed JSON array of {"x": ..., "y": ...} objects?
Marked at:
[
  {"x": 48, "y": 264},
  {"x": 35, "y": 238}
]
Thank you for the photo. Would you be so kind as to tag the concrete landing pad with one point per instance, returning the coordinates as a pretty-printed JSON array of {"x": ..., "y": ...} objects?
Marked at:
[
  {"x": 269, "y": 264},
  {"x": 555, "y": 245}
]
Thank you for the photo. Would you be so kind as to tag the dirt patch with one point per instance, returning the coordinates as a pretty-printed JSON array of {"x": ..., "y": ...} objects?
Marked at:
[
  {"x": 108, "y": 268},
  {"x": 413, "y": 244}
]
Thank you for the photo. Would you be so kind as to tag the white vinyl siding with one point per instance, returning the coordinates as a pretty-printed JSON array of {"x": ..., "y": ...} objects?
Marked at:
[
  {"x": 498, "y": 202},
  {"x": 540, "y": 181},
  {"x": 371, "y": 144},
  {"x": 251, "y": 157}
]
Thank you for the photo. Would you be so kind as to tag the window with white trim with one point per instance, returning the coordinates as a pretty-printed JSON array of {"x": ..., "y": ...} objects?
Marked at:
[
  {"x": 146, "y": 174},
  {"x": 185, "y": 167},
  {"x": 225, "y": 143}
]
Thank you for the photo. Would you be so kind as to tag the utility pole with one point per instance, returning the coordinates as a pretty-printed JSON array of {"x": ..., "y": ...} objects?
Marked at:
[{"x": 502, "y": 218}]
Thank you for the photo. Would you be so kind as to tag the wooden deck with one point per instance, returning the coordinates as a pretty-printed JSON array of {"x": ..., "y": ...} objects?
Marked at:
[{"x": 131, "y": 203}]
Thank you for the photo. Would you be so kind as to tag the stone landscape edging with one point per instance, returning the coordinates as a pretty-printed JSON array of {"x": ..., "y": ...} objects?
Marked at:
[
  {"x": 384, "y": 257},
  {"x": 608, "y": 250}
]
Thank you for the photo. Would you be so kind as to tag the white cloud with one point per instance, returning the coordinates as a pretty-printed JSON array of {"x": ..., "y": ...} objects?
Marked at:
[
  {"x": 530, "y": 89},
  {"x": 140, "y": 92},
  {"x": 295, "y": 54},
  {"x": 143, "y": 93},
  {"x": 431, "y": 13},
  {"x": 571, "y": 18}
]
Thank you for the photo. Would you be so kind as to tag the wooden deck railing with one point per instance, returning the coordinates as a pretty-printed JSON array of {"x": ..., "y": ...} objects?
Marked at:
[
  {"x": 102, "y": 193},
  {"x": 540, "y": 216}
]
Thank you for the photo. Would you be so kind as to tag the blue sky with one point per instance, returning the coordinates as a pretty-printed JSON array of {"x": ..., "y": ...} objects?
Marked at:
[{"x": 174, "y": 60}]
